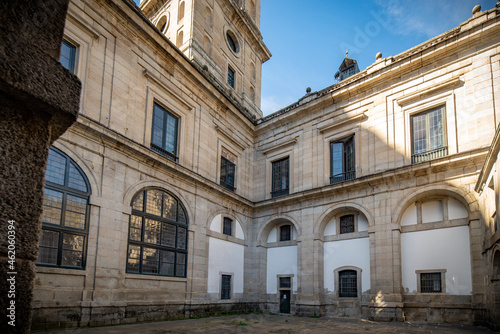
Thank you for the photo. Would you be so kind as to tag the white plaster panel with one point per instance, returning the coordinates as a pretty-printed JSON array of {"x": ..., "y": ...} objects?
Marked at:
[
  {"x": 447, "y": 248},
  {"x": 354, "y": 252},
  {"x": 362, "y": 223},
  {"x": 456, "y": 209},
  {"x": 432, "y": 211},
  {"x": 281, "y": 261},
  {"x": 409, "y": 216},
  {"x": 331, "y": 228},
  {"x": 216, "y": 224},
  {"x": 239, "y": 231},
  {"x": 273, "y": 235},
  {"x": 225, "y": 257}
]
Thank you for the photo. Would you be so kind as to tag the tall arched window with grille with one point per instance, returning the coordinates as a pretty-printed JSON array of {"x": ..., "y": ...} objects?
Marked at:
[
  {"x": 157, "y": 242},
  {"x": 65, "y": 213}
]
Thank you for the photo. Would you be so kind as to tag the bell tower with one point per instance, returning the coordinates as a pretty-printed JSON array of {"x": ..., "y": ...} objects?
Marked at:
[{"x": 222, "y": 37}]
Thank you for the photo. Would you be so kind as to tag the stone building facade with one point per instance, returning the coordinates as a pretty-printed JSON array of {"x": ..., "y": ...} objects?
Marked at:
[{"x": 172, "y": 196}]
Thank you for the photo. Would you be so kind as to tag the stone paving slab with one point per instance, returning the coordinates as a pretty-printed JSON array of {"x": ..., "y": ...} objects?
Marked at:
[{"x": 275, "y": 324}]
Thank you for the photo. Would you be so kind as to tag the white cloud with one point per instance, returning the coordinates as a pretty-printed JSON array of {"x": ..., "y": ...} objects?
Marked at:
[{"x": 270, "y": 104}]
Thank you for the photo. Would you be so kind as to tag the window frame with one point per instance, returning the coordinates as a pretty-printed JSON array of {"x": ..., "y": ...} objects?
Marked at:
[
  {"x": 62, "y": 228},
  {"x": 227, "y": 226},
  {"x": 226, "y": 165},
  {"x": 353, "y": 222},
  {"x": 429, "y": 154},
  {"x": 441, "y": 272},
  {"x": 174, "y": 156},
  {"x": 231, "y": 77},
  {"x": 73, "y": 60},
  {"x": 288, "y": 233},
  {"x": 337, "y": 274},
  {"x": 345, "y": 175},
  {"x": 223, "y": 290},
  {"x": 158, "y": 246},
  {"x": 282, "y": 191}
]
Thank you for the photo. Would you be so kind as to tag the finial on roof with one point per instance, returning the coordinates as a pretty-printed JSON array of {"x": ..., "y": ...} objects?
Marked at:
[
  {"x": 476, "y": 9},
  {"x": 378, "y": 55},
  {"x": 346, "y": 52},
  {"x": 308, "y": 90}
]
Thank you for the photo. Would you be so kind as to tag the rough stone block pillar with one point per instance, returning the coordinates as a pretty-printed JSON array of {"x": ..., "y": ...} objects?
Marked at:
[{"x": 39, "y": 100}]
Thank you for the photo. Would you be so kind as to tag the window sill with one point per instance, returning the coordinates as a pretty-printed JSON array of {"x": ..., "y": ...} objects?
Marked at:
[{"x": 152, "y": 277}]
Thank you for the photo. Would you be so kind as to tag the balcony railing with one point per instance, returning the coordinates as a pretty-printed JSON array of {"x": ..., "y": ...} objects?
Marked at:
[
  {"x": 429, "y": 155},
  {"x": 342, "y": 177},
  {"x": 227, "y": 186},
  {"x": 163, "y": 152}
]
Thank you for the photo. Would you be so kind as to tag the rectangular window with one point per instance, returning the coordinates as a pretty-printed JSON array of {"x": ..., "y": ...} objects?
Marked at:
[
  {"x": 430, "y": 283},
  {"x": 68, "y": 56},
  {"x": 227, "y": 172},
  {"x": 230, "y": 77},
  {"x": 225, "y": 287},
  {"x": 428, "y": 135},
  {"x": 347, "y": 224},
  {"x": 285, "y": 232},
  {"x": 285, "y": 282},
  {"x": 227, "y": 227},
  {"x": 348, "y": 283},
  {"x": 164, "y": 133},
  {"x": 280, "y": 180},
  {"x": 342, "y": 165}
]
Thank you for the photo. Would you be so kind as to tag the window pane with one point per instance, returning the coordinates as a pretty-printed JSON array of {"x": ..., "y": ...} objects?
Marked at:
[
  {"x": 152, "y": 231},
  {"x": 419, "y": 126},
  {"x": 68, "y": 56},
  {"x": 347, "y": 224},
  {"x": 138, "y": 203},
  {"x": 230, "y": 77},
  {"x": 168, "y": 235},
  {"x": 285, "y": 282},
  {"x": 49, "y": 243},
  {"x": 133, "y": 258},
  {"x": 169, "y": 207},
  {"x": 171, "y": 134},
  {"x": 435, "y": 129},
  {"x": 150, "y": 260},
  {"x": 157, "y": 133},
  {"x": 154, "y": 201},
  {"x": 180, "y": 268},
  {"x": 72, "y": 250},
  {"x": 75, "y": 212},
  {"x": 337, "y": 158},
  {"x": 181, "y": 238},
  {"x": 226, "y": 287},
  {"x": 135, "y": 228},
  {"x": 182, "y": 216},
  {"x": 167, "y": 265},
  {"x": 76, "y": 180},
  {"x": 430, "y": 283},
  {"x": 285, "y": 232},
  {"x": 349, "y": 158},
  {"x": 227, "y": 226},
  {"x": 56, "y": 168},
  {"x": 348, "y": 285},
  {"x": 52, "y": 206}
]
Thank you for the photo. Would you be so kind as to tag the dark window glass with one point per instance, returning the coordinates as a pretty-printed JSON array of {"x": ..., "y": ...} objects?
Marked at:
[
  {"x": 232, "y": 43},
  {"x": 230, "y": 77},
  {"x": 226, "y": 287},
  {"x": 348, "y": 283},
  {"x": 164, "y": 133},
  {"x": 347, "y": 224},
  {"x": 280, "y": 179},
  {"x": 285, "y": 232},
  {"x": 342, "y": 160},
  {"x": 430, "y": 282},
  {"x": 227, "y": 173},
  {"x": 285, "y": 282},
  {"x": 65, "y": 213},
  {"x": 68, "y": 55},
  {"x": 157, "y": 242},
  {"x": 227, "y": 226},
  {"x": 428, "y": 135}
]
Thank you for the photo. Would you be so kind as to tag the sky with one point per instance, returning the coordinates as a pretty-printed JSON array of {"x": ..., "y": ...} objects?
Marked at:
[{"x": 308, "y": 39}]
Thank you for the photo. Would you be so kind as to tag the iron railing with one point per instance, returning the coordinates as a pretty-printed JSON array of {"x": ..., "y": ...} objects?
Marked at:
[
  {"x": 429, "y": 155},
  {"x": 342, "y": 177},
  {"x": 163, "y": 152}
]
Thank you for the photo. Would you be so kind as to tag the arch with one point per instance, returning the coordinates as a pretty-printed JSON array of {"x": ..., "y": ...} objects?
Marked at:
[
  {"x": 147, "y": 184},
  {"x": 252, "y": 94},
  {"x": 468, "y": 199},
  {"x": 207, "y": 45},
  {"x": 335, "y": 210},
  {"x": 162, "y": 24},
  {"x": 236, "y": 217},
  {"x": 181, "y": 10},
  {"x": 91, "y": 178},
  {"x": 266, "y": 228},
  {"x": 495, "y": 263},
  {"x": 208, "y": 17},
  {"x": 180, "y": 37},
  {"x": 252, "y": 9}
]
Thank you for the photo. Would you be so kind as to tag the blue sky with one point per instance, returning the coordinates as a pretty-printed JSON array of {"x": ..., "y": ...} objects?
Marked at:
[{"x": 308, "y": 39}]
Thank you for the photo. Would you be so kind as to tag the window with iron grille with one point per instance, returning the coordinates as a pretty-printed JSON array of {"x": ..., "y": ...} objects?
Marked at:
[
  {"x": 227, "y": 226},
  {"x": 63, "y": 242},
  {"x": 157, "y": 241},
  {"x": 230, "y": 77},
  {"x": 280, "y": 179},
  {"x": 285, "y": 282},
  {"x": 227, "y": 173},
  {"x": 348, "y": 283},
  {"x": 342, "y": 165},
  {"x": 165, "y": 132},
  {"x": 430, "y": 283},
  {"x": 285, "y": 232},
  {"x": 225, "y": 291},
  {"x": 68, "y": 56},
  {"x": 347, "y": 224},
  {"x": 428, "y": 135}
]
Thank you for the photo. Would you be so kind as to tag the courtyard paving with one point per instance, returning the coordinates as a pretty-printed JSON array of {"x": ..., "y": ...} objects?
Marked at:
[{"x": 275, "y": 324}]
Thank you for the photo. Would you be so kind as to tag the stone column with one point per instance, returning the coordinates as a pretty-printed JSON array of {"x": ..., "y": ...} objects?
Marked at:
[{"x": 39, "y": 100}]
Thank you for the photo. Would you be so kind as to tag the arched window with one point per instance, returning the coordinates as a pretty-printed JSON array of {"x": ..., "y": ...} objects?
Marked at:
[
  {"x": 65, "y": 213},
  {"x": 157, "y": 242}
]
